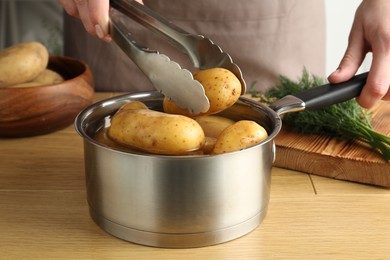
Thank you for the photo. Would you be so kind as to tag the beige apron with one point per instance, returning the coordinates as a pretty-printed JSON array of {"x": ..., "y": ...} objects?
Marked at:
[{"x": 266, "y": 38}]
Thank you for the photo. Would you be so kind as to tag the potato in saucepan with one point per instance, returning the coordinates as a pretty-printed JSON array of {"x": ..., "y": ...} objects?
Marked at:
[
  {"x": 240, "y": 135},
  {"x": 156, "y": 132},
  {"x": 213, "y": 125},
  {"x": 132, "y": 105}
]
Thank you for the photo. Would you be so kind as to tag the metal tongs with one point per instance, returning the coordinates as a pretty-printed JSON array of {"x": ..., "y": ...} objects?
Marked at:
[{"x": 167, "y": 76}]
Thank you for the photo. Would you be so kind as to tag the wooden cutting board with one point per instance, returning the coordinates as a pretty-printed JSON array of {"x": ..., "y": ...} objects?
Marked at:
[{"x": 333, "y": 158}]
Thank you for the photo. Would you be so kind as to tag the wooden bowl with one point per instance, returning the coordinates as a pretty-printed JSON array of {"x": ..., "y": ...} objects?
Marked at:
[{"x": 39, "y": 110}]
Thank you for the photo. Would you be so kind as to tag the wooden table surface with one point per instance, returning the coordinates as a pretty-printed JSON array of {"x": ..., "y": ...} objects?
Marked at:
[{"x": 44, "y": 213}]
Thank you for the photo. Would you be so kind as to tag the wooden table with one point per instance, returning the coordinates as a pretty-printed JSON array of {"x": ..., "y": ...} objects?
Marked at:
[{"x": 44, "y": 213}]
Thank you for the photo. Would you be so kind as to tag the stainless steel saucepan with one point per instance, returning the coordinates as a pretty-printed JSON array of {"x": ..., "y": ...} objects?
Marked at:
[{"x": 188, "y": 201}]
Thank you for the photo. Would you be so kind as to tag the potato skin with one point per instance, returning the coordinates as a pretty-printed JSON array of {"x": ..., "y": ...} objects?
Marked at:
[
  {"x": 29, "y": 84},
  {"x": 156, "y": 132},
  {"x": 46, "y": 77},
  {"x": 240, "y": 135},
  {"x": 221, "y": 87},
  {"x": 132, "y": 105},
  {"x": 22, "y": 62},
  {"x": 213, "y": 125},
  {"x": 209, "y": 145}
]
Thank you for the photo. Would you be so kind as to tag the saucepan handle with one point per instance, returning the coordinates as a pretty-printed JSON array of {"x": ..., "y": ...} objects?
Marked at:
[{"x": 321, "y": 96}]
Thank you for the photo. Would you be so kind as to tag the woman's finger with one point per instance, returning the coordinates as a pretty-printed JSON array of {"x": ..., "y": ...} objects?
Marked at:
[
  {"x": 84, "y": 14},
  {"x": 94, "y": 14},
  {"x": 378, "y": 81},
  {"x": 99, "y": 16},
  {"x": 353, "y": 57},
  {"x": 69, "y": 7}
]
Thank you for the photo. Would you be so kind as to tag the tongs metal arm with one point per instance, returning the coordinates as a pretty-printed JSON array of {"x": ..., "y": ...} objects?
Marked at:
[
  {"x": 133, "y": 49},
  {"x": 156, "y": 23},
  {"x": 167, "y": 76},
  {"x": 203, "y": 53}
]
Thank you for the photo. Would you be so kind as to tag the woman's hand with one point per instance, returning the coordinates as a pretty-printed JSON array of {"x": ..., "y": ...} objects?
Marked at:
[
  {"x": 94, "y": 15},
  {"x": 370, "y": 33}
]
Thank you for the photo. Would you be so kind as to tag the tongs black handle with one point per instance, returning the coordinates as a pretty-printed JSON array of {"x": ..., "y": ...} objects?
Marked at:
[{"x": 321, "y": 96}]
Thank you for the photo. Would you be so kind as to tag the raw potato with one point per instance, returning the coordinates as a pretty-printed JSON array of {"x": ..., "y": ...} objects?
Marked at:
[
  {"x": 221, "y": 86},
  {"x": 156, "y": 132},
  {"x": 133, "y": 105},
  {"x": 242, "y": 134},
  {"x": 25, "y": 85},
  {"x": 46, "y": 77},
  {"x": 213, "y": 125},
  {"x": 209, "y": 145},
  {"x": 22, "y": 62}
]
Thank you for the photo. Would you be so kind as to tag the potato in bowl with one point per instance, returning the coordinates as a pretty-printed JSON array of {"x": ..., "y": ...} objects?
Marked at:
[{"x": 42, "y": 108}]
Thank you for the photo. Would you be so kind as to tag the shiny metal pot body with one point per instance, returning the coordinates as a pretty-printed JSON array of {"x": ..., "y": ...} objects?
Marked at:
[{"x": 177, "y": 201}]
